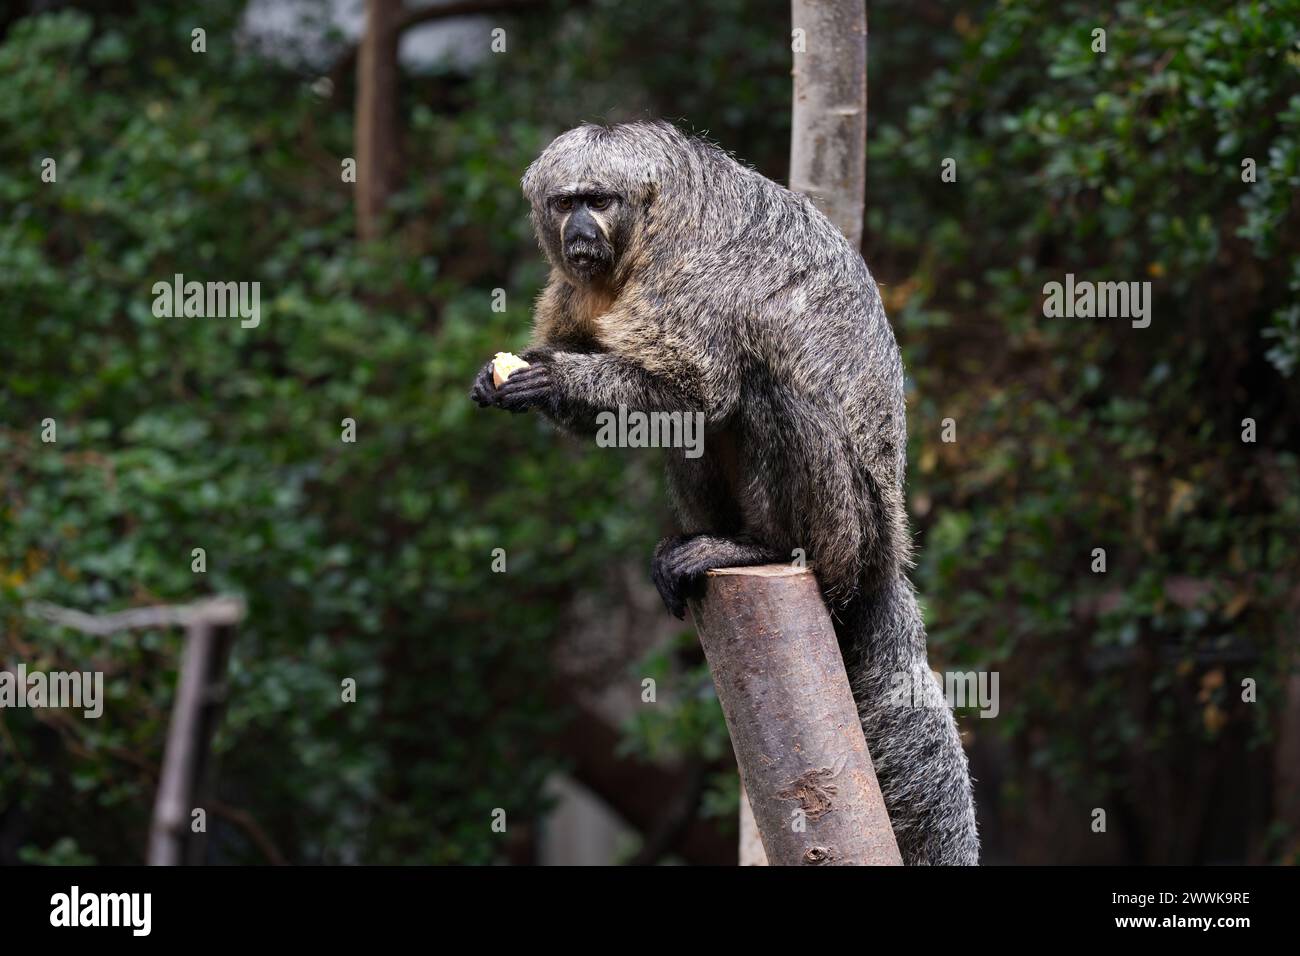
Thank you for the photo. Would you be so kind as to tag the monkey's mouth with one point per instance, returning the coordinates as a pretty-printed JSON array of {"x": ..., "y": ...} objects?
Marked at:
[{"x": 585, "y": 257}]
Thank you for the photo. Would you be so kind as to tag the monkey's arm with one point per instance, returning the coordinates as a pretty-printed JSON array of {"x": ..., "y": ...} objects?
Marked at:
[
  {"x": 640, "y": 354},
  {"x": 573, "y": 388}
]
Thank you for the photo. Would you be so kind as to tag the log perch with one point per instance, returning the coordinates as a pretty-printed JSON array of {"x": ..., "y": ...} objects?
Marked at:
[{"x": 794, "y": 727}]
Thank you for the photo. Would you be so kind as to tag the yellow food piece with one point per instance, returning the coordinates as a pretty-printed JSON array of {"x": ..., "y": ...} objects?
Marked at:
[{"x": 505, "y": 364}]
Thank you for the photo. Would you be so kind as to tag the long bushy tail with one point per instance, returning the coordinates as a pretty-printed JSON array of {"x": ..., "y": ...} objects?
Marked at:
[{"x": 909, "y": 728}]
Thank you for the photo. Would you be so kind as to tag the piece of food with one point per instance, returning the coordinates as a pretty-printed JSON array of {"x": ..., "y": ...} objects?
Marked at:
[{"x": 504, "y": 365}]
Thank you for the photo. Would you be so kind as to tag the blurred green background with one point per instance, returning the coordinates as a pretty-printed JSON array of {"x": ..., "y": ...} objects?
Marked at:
[{"x": 372, "y": 560}]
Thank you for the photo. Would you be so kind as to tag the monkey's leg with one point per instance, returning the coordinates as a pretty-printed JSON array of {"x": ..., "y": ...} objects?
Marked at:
[
  {"x": 806, "y": 489},
  {"x": 573, "y": 388},
  {"x": 680, "y": 562}
]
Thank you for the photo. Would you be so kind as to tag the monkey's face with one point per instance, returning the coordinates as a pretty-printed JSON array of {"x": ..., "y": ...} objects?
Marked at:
[
  {"x": 591, "y": 193},
  {"x": 587, "y": 228}
]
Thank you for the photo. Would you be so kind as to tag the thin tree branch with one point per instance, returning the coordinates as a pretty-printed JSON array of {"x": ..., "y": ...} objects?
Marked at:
[
  {"x": 216, "y": 611},
  {"x": 252, "y": 829}
]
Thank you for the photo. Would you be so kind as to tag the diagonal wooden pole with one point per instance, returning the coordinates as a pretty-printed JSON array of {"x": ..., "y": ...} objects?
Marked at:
[
  {"x": 794, "y": 726},
  {"x": 185, "y": 780}
]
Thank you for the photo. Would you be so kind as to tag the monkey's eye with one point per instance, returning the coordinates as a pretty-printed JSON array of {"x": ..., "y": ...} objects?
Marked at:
[
  {"x": 564, "y": 203},
  {"x": 600, "y": 202}
]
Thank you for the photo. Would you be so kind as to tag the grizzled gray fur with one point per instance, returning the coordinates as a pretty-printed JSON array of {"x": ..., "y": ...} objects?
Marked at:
[{"x": 684, "y": 281}]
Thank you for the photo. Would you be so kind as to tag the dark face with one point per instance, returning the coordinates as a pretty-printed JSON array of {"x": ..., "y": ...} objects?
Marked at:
[{"x": 589, "y": 229}]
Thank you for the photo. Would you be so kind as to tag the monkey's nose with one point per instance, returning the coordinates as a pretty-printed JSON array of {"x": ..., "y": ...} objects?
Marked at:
[{"x": 580, "y": 233}]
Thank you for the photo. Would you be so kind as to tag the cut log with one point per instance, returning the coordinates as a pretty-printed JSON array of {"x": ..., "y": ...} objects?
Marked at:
[{"x": 794, "y": 726}]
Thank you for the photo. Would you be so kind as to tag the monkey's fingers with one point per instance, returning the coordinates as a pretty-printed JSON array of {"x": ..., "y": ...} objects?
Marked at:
[
  {"x": 667, "y": 588},
  {"x": 483, "y": 392},
  {"x": 526, "y": 388},
  {"x": 522, "y": 400},
  {"x": 678, "y": 573},
  {"x": 529, "y": 375}
]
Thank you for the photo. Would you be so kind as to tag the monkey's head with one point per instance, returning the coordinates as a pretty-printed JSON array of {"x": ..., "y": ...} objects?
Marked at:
[{"x": 591, "y": 192}]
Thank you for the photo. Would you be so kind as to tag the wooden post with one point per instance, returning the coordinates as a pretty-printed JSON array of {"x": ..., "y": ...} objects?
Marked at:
[
  {"x": 794, "y": 726},
  {"x": 376, "y": 131},
  {"x": 200, "y": 699},
  {"x": 828, "y": 133},
  {"x": 183, "y": 784}
]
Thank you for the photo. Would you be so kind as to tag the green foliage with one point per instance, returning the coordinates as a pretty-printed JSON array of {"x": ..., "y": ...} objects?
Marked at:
[
  {"x": 368, "y": 560},
  {"x": 1075, "y": 434},
  {"x": 690, "y": 726}
]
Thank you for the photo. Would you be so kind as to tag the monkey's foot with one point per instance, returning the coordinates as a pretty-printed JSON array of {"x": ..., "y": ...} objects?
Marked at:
[{"x": 680, "y": 563}]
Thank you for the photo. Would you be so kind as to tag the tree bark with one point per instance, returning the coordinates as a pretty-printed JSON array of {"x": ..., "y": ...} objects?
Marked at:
[
  {"x": 794, "y": 725},
  {"x": 828, "y": 140},
  {"x": 376, "y": 138}
]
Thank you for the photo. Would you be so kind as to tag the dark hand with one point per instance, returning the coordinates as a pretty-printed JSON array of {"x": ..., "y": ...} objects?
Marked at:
[{"x": 527, "y": 388}]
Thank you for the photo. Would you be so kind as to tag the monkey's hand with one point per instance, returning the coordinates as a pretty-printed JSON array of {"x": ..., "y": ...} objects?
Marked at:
[
  {"x": 527, "y": 388},
  {"x": 680, "y": 564},
  {"x": 530, "y": 387}
]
